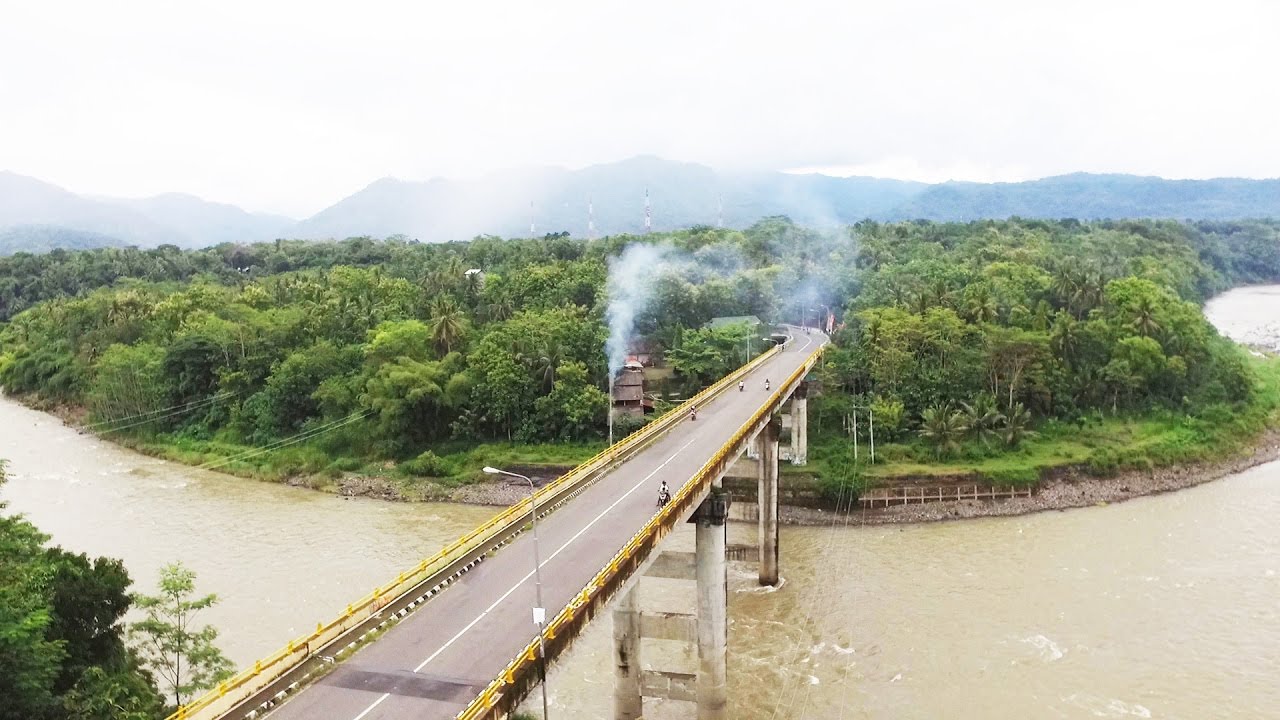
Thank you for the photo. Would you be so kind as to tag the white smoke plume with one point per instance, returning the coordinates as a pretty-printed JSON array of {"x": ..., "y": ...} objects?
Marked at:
[{"x": 632, "y": 276}]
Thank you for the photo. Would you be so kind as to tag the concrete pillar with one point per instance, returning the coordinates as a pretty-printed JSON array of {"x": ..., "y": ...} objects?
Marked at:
[
  {"x": 800, "y": 426},
  {"x": 713, "y": 607},
  {"x": 767, "y": 498},
  {"x": 753, "y": 448},
  {"x": 627, "y": 702}
]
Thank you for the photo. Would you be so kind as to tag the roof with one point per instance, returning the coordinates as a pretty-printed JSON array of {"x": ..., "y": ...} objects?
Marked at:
[
  {"x": 629, "y": 378},
  {"x": 733, "y": 320}
]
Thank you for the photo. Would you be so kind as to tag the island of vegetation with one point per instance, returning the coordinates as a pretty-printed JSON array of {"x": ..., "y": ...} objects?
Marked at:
[{"x": 1001, "y": 351}]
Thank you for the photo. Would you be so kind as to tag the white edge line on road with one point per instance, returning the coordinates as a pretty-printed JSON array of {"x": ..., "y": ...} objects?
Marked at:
[
  {"x": 553, "y": 555},
  {"x": 525, "y": 579}
]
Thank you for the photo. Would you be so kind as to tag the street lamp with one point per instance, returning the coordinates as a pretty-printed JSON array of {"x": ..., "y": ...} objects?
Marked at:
[{"x": 539, "y": 611}]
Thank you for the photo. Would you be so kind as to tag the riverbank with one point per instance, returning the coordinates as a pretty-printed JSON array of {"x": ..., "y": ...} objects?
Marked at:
[{"x": 1072, "y": 487}]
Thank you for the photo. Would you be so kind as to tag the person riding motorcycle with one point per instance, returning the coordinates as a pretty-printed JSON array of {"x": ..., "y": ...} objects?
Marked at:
[
  {"x": 741, "y": 385},
  {"x": 766, "y": 383},
  {"x": 693, "y": 413},
  {"x": 664, "y": 494}
]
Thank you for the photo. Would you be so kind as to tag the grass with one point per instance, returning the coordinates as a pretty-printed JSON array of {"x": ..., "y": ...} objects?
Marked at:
[
  {"x": 1103, "y": 444},
  {"x": 445, "y": 466}
]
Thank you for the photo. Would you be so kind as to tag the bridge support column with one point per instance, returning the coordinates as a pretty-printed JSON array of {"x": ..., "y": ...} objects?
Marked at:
[
  {"x": 713, "y": 606},
  {"x": 627, "y": 701},
  {"x": 767, "y": 498},
  {"x": 800, "y": 425}
]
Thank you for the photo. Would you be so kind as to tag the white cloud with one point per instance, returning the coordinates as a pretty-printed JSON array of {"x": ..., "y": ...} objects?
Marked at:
[{"x": 290, "y": 105}]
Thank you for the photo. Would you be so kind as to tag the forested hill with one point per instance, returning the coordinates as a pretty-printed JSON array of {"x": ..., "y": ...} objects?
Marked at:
[
  {"x": 555, "y": 200},
  {"x": 1086, "y": 196},
  {"x": 394, "y": 350}
]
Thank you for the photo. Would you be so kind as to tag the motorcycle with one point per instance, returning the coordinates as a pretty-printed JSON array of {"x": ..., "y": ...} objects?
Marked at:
[
  {"x": 664, "y": 497},
  {"x": 766, "y": 385}
]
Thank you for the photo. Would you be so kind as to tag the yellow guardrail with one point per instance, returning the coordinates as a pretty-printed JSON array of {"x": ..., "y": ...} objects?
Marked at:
[
  {"x": 582, "y": 607},
  {"x": 263, "y": 673}
]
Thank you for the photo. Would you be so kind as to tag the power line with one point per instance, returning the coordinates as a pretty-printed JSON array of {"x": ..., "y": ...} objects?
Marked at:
[{"x": 276, "y": 445}]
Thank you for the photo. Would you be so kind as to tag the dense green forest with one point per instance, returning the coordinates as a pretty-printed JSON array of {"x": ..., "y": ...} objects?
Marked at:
[{"x": 317, "y": 358}]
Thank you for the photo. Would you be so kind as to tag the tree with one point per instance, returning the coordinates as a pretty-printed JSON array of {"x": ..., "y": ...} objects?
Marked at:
[
  {"x": 982, "y": 418},
  {"x": 943, "y": 428},
  {"x": 1017, "y": 426},
  {"x": 448, "y": 324},
  {"x": 99, "y": 695},
  {"x": 182, "y": 655}
]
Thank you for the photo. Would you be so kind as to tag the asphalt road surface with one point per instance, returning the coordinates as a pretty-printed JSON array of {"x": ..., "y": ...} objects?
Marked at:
[{"x": 435, "y": 661}]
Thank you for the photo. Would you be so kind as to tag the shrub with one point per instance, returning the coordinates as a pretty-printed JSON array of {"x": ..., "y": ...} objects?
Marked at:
[{"x": 428, "y": 464}]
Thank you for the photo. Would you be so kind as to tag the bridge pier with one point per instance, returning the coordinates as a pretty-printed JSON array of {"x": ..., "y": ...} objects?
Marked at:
[
  {"x": 800, "y": 425},
  {"x": 627, "y": 701},
  {"x": 767, "y": 499},
  {"x": 711, "y": 571}
]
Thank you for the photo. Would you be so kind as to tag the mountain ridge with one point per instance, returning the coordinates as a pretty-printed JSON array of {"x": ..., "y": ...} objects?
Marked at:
[{"x": 542, "y": 199}]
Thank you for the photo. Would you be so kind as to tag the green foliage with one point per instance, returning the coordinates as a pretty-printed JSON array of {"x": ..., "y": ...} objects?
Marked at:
[
  {"x": 61, "y": 648},
  {"x": 384, "y": 350},
  {"x": 428, "y": 464},
  {"x": 182, "y": 654}
]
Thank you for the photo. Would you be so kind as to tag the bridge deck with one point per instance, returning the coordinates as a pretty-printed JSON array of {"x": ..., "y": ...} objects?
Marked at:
[{"x": 432, "y": 664}]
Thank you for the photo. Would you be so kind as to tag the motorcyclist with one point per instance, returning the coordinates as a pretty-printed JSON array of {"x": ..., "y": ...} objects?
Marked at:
[
  {"x": 741, "y": 385},
  {"x": 664, "y": 494},
  {"x": 766, "y": 383},
  {"x": 693, "y": 412}
]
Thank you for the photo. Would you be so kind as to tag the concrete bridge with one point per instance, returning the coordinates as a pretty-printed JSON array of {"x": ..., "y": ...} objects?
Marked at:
[{"x": 455, "y": 637}]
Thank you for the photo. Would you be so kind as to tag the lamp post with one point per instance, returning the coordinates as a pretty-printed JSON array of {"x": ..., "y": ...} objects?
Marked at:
[{"x": 539, "y": 611}]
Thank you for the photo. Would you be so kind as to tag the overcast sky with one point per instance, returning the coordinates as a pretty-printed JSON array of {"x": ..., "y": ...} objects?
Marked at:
[{"x": 288, "y": 107}]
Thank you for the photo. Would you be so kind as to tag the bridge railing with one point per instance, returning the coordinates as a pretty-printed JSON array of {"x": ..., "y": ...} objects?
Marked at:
[
  {"x": 501, "y": 696},
  {"x": 260, "y": 676}
]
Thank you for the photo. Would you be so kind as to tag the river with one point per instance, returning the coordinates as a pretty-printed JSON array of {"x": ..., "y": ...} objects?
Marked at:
[{"x": 1160, "y": 607}]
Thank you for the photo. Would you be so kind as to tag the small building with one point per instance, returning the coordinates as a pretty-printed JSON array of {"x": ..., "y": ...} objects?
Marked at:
[
  {"x": 642, "y": 352},
  {"x": 628, "y": 394}
]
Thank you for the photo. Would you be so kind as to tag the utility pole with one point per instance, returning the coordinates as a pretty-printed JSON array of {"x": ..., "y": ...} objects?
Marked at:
[{"x": 648, "y": 220}]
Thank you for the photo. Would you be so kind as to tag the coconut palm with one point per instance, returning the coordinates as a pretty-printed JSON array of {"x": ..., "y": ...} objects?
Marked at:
[
  {"x": 1017, "y": 426},
  {"x": 943, "y": 428},
  {"x": 447, "y": 324},
  {"x": 983, "y": 419},
  {"x": 980, "y": 305},
  {"x": 1144, "y": 317}
]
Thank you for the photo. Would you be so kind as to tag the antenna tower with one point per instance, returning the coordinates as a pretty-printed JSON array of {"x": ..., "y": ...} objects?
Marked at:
[{"x": 648, "y": 219}]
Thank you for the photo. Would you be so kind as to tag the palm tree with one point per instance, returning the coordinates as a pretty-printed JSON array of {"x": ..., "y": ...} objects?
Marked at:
[
  {"x": 983, "y": 419},
  {"x": 943, "y": 427},
  {"x": 1064, "y": 338},
  {"x": 447, "y": 324},
  {"x": 544, "y": 363},
  {"x": 1144, "y": 317},
  {"x": 1017, "y": 426},
  {"x": 981, "y": 306}
]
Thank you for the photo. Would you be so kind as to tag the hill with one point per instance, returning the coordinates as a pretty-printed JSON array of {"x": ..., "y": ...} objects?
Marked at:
[
  {"x": 37, "y": 216},
  {"x": 1086, "y": 197},
  {"x": 680, "y": 194},
  {"x": 43, "y": 238}
]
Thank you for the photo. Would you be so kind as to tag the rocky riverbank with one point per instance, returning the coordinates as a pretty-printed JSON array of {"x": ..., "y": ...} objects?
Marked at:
[{"x": 1072, "y": 489}]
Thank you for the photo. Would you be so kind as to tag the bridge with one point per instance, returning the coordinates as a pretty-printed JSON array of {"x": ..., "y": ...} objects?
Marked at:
[{"x": 455, "y": 637}]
